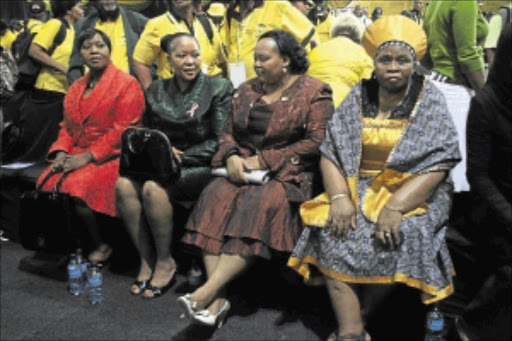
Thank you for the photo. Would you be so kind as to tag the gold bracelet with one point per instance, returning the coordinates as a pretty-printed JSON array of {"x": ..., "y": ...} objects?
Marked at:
[{"x": 338, "y": 196}]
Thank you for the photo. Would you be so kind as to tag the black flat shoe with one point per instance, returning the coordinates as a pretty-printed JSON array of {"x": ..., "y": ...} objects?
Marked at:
[{"x": 141, "y": 285}]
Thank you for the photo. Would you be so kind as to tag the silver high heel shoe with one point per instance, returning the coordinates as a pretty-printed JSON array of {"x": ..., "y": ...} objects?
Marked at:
[
  {"x": 206, "y": 318},
  {"x": 189, "y": 305}
]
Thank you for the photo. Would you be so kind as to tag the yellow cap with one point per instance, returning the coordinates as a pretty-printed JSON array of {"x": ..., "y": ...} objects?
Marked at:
[
  {"x": 395, "y": 28},
  {"x": 217, "y": 10}
]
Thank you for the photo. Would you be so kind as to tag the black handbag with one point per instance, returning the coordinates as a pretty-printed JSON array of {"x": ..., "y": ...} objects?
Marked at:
[
  {"x": 45, "y": 219},
  {"x": 146, "y": 154}
]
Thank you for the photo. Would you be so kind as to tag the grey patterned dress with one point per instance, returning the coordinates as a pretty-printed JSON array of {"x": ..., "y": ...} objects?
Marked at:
[{"x": 428, "y": 143}]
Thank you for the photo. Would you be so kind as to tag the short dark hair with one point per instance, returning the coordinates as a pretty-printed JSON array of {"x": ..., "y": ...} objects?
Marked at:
[
  {"x": 167, "y": 40},
  {"x": 289, "y": 47},
  {"x": 61, "y": 7},
  {"x": 90, "y": 33}
]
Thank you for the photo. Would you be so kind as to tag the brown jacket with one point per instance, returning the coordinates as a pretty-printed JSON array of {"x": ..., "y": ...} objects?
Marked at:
[{"x": 293, "y": 137}]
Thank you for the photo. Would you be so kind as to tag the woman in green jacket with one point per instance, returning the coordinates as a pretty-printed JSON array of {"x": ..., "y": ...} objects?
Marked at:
[{"x": 191, "y": 109}]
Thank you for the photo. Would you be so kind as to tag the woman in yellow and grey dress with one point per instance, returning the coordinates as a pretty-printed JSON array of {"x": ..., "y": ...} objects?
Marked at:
[{"x": 385, "y": 159}]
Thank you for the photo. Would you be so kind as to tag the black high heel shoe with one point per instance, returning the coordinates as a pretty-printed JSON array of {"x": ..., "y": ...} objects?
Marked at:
[
  {"x": 141, "y": 285},
  {"x": 159, "y": 291}
]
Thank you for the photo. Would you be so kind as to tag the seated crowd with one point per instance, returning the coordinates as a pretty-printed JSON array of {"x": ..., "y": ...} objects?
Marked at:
[{"x": 356, "y": 142}]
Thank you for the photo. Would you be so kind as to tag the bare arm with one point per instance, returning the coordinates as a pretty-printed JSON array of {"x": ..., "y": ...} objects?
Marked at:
[
  {"x": 412, "y": 194},
  {"x": 334, "y": 181},
  {"x": 143, "y": 74},
  {"x": 38, "y": 53},
  {"x": 416, "y": 191},
  {"x": 342, "y": 211},
  {"x": 476, "y": 79}
]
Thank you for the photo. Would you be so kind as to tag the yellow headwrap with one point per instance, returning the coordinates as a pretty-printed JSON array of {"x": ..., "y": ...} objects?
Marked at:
[{"x": 395, "y": 28}]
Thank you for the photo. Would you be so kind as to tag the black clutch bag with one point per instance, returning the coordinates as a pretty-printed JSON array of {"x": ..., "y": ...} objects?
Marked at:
[
  {"x": 146, "y": 154},
  {"x": 45, "y": 219}
]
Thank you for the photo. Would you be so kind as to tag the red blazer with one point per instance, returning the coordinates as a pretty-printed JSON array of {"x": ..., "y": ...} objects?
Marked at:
[
  {"x": 293, "y": 137},
  {"x": 96, "y": 126},
  {"x": 115, "y": 103}
]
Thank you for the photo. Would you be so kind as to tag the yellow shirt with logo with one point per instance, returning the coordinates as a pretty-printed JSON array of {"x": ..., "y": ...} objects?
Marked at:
[
  {"x": 115, "y": 31},
  {"x": 51, "y": 79},
  {"x": 148, "y": 48},
  {"x": 241, "y": 37}
]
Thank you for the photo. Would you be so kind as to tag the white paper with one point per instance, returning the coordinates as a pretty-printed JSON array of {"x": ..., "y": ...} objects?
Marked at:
[
  {"x": 18, "y": 165},
  {"x": 237, "y": 73},
  {"x": 258, "y": 177}
]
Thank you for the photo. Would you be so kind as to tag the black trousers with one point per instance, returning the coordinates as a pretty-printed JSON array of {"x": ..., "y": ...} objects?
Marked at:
[{"x": 38, "y": 118}]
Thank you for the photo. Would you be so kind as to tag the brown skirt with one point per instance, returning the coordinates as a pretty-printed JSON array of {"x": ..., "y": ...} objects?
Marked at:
[{"x": 250, "y": 220}]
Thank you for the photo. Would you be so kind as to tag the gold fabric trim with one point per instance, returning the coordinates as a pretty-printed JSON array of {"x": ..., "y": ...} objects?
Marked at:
[{"x": 430, "y": 294}]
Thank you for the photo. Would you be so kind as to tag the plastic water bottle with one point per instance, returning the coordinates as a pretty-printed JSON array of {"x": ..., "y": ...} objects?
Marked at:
[
  {"x": 75, "y": 286},
  {"x": 434, "y": 324},
  {"x": 83, "y": 268},
  {"x": 194, "y": 275},
  {"x": 94, "y": 284}
]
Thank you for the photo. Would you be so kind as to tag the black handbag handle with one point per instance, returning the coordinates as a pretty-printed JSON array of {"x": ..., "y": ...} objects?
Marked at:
[
  {"x": 144, "y": 139},
  {"x": 58, "y": 185},
  {"x": 46, "y": 178}
]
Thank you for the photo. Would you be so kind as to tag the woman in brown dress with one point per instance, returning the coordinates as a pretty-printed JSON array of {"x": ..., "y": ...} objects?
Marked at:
[{"x": 278, "y": 122}]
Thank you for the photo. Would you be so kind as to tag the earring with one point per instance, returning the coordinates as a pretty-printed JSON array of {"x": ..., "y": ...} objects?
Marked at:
[{"x": 285, "y": 69}]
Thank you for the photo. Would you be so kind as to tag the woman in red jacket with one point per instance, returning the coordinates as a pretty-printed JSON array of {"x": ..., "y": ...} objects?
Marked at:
[{"x": 97, "y": 108}]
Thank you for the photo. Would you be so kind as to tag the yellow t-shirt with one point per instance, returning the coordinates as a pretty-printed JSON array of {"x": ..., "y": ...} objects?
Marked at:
[
  {"x": 7, "y": 39},
  {"x": 341, "y": 63},
  {"x": 35, "y": 25},
  {"x": 324, "y": 29},
  {"x": 241, "y": 37},
  {"x": 51, "y": 79},
  {"x": 115, "y": 31},
  {"x": 148, "y": 49}
]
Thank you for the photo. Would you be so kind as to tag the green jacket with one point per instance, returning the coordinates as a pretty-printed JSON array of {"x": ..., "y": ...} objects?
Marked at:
[
  {"x": 452, "y": 28},
  {"x": 133, "y": 24},
  {"x": 194, "y": 120}
]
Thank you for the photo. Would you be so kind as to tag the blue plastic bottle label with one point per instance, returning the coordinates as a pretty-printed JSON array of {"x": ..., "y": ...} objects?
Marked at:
[
  {"x": 74, "y": 272},
  {"x": 95, "y": 281},
  {"x": 436, "y": 325}
]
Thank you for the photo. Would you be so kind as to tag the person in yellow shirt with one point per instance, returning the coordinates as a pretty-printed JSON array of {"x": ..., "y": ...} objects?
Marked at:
[
  {"x": 122, "y": 26},
  {"x": 342, "y": 61},
  {"x": 217, "y": 12},
  {"x": 304, "y": 6},
  {"x": 6, "y": 36},
  {"x": 42, "y": 107},
  {"x": 39, "y": 15},
  {"x": 246, "y": 21},
  {"x": 181, "y": 17},
  {"x": 324, "y": 24}
]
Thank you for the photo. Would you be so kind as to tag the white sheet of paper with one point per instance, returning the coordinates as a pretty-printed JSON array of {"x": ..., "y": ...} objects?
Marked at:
[
  {"x": 237, "y": 73},
  {"x": 259, "y": 177}
]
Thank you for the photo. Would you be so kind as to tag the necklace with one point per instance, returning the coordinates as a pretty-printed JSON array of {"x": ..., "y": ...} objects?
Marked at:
[{"x": 90, "y": 85}]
